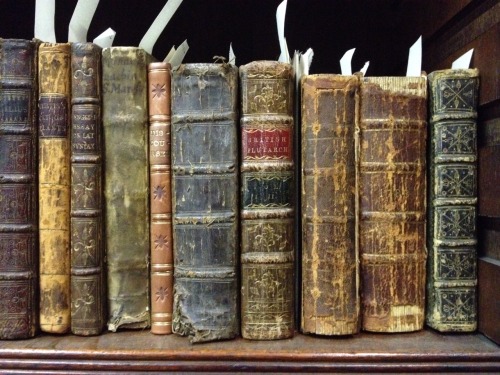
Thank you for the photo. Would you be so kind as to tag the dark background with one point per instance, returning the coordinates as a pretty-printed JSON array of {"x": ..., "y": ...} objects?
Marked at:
[{"x": 381, "y": 30}]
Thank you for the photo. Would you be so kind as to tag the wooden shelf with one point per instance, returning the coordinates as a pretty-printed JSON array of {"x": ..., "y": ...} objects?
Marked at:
[{"x": 132, "y": 351}]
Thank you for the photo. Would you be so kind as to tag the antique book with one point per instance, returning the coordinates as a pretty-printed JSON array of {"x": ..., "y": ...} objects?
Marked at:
[
  {"x": 54, "y": 75},
  {"x": 87, "y": 197},
  {"x": 126, "y": 186},
  {"x": 267, "y": 201},
  {"x": 392, "y": 205},
  {"x": 18, "y": 189},
  {"x": 204, "y": 201},
  {"x": 162, "y": 267},
  {"x": 452, "y": 238},
  {"x": 330, "y": 276}
]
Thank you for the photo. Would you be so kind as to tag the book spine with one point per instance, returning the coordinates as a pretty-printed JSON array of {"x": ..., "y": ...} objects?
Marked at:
[
  {"x": 126, "y": 186},
  {"x": 18, "y": 189},
  {"x": 392, "y": 187},
  {"x": 204, "y": 201},
  {"x": 267, "y": 204},
  {"x": 452, "y": 241},
  {"x": 87, "y": 250},
  {"x": 330, "y": 301},
  {"x": 162, "y": 267},
  {"x": 54, "y": 72}
]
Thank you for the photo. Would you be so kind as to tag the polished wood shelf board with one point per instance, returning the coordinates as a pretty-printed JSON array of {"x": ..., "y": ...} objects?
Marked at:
[{"x": 141, "y": 351}]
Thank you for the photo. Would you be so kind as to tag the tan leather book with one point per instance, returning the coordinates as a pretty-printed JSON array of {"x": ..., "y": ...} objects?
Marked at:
[
  {"x": 126, "y": 185},
  {"x": 87, "y": 197},
  {"x": 54, "y": 75},
  {"x": 162, "y": 274},
  {"x": 18, "y": 188},
  {"x": 452, "y": 215},
  {"x": 392, "y": 189},
  {"x": 267, "y": 201},
  {"x": 330, "y": 280}
]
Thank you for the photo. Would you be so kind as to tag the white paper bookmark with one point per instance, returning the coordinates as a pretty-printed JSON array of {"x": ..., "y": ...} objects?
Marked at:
[
  {"x": 179, "y": 55},
  {"x": 280, "y": 22},
  {"x": 414, "y": 68},
  {"x": 365, "y": 68},
  {"x": 463, "y": 62},
  {"x": 81, "y": 19},
  {"x": 306, "y": 61},
  {"x": 232, "y": 57},
  {"x": 149, "y": 39},
  {"x": 44, "y": 20},
  {"x": 169, "y": 55},
  {"x": 105, "y": 40},
  {"x": 345, "y": 62}
]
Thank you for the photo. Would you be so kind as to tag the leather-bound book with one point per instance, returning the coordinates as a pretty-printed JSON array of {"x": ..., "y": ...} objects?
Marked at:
[
  {"x": 330, "y": 279},
  {"x": 267, "y": 201},
  {"x": 392, "y": 187},
  {"x": 452, "y": 239},
  {"x": 204, "y": 201},
  {"x": 87, "y": 197},
  {"x": 126, "y": 185},
  {"x": 54, "y": 75},
  {"x": 18, "y": 189},
  {"x": 162, "y": 267}
]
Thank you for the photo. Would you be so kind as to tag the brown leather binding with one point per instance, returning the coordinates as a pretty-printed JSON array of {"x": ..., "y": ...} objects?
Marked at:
[
  {"x": 54, "y": 185},
  {"x": 162, "y": 276},
  {"x": 392, "y": 186}
]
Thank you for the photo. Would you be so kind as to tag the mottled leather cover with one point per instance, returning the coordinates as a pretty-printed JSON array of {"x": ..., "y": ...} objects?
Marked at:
[
  {"x": 88, "y": 281},
  {"x": 126, "y": 186},
  {"x": 204, "y": 201},
  {"x": 162, "y": 263},
  {"x": 452, "y": 235},
  {"x": 267, "y": 201},
  {"x": 54, "y": 74},
  {"x": 330, "y": 279},
  {"x": 18, "y": 189},
  {"x": 392, "y": 202}
]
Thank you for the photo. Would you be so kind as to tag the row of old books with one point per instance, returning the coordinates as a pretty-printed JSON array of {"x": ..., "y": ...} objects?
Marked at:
[{"x": 195, "y": 216}]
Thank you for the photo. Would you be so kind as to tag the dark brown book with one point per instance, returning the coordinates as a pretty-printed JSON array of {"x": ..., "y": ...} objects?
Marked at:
[
  {"x": 488, "y": 224},
  {"x": 126, "y": 185},
  {"x": 54, "y": 75},
  {"x": 267, "y": 201},
  {"x": 452, "y": 235},
  {"x": 392, "y": 187},
  {"x": 204, "y": 201},
  {"x": 18, "y": 189},
  {"x": 87, "y": 198},
  {"x": 330, "y": 278},
  {"x": 162, "y": 264}
]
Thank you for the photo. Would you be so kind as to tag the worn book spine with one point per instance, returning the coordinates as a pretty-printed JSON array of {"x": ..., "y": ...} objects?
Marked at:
[
  {"x": 18, "y": 189},
  {"x": 126, "y": 187},
  {"x": 204, "y": 201},
  {"x": 267, "y": 201},
  {"x": 452, "y": 238},
  {"x": 392, "y": 187},
  {"x": 87, "y": 197},
  {"x": 162, "y": 267},
  {"x": 54, "y": 74},
  {"x": 330, "y": 301}
]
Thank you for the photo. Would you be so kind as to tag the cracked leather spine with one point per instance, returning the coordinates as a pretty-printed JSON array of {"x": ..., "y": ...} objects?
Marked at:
[
  {"x": 204, "y": 201},
  {"x": 54, "y": 74},
  {"x": 392, "y": 202},
  {"x": 18, "y": 188},
  {"x": 267, "y": 201},
  {"x": 330, "y": 275}
]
